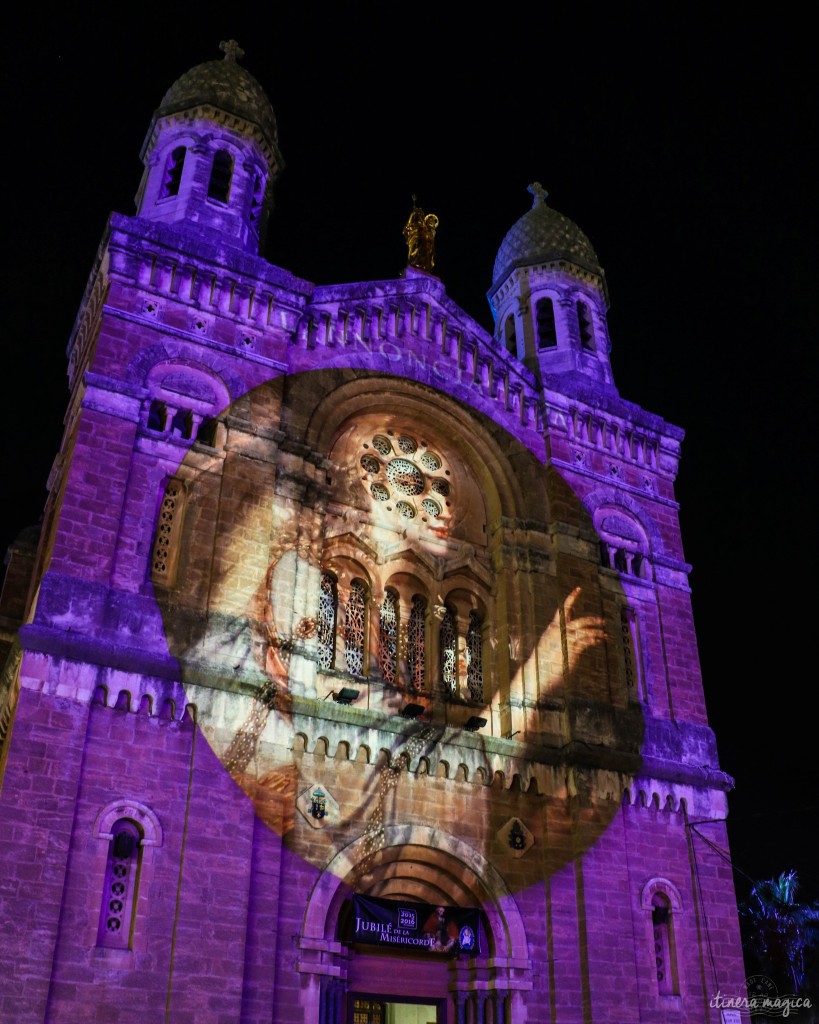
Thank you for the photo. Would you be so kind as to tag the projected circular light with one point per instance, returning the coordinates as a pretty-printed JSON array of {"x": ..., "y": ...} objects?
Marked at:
[
  {"x": 404, "y": 509},
  {"x": 405, "y": 476},
  {"x": 382, "y": 444},
  {"x": 379, "y": 492},
  {"x": 431, "y": 507},
  {"x": 370, "y": 464},
  {"x": 440, "y": 487},
  {"x": 430, "y": 462}
]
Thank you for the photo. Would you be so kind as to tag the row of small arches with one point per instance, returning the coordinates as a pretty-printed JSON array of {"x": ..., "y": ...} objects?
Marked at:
[
  {"x": 165, "y": 709},
  {"x": 654, "y": 802}
]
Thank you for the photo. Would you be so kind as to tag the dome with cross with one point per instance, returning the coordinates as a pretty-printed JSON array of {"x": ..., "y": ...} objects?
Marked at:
[
  {"x": 224, "y": 85},
  {"x": 543, "y": 235}
]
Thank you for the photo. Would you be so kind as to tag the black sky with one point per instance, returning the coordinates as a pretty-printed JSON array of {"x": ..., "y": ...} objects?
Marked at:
[{"x": 680, "y": 138}]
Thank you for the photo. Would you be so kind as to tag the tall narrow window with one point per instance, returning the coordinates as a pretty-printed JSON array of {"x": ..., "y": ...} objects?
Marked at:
[
  {"x": 168, "y": 529},
  {"x": 220, "y": 176},
  {"x": 546, "y": 329},
  {"x": 256, "y": 202},
  {"x": 173, "y": 173},
  {"x": 586, "y": 326},
  {"x": 388, "y": 636},
  {"x": 510, "y": 335},
  {"x": 120, "y": 886},
  {"x": 416, "y": 643},
  {"x": 665, "y": 960},
  {"x": 629, "y": 630},
  {"x": 474, "y": 657},
  {"x": 449, "y": 652},
  {"x": 355, "y": 627},
  {"x": 326, "y": 626}
]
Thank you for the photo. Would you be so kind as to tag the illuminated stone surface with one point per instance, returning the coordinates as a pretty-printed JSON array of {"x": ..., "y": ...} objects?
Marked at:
[{"x": 173, "y": 663}]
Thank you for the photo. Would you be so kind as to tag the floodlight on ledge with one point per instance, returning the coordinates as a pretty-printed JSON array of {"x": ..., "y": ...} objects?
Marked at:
[
  {"x": 412, "y": 710},
  {"x": 346, "y": 695},
  {"x": 475, "y": 723}
]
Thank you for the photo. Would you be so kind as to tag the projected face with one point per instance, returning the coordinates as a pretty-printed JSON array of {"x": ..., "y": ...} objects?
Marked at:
[{"x": 395, "y": 551}]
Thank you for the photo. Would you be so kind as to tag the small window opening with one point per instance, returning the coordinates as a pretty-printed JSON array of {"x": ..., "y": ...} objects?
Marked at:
[
  {"x": 546, "y": 327},
  {"x": 586, "y": 325},
  {"x": 206, "y": 434},
  {"x": 157, "y": 416},
  {"x": 221, "y": 175},
  {"x": 182, "y": 423},
  {"x": 510, "y": 335},
  {"x": 256, "y": 202},
  {"x": 173, "y": 173}
]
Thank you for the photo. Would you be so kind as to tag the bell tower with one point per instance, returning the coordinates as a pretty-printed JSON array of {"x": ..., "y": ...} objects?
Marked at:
[
  {"x": 211, "y": 155},
  {"x": 549, "y": 297}
]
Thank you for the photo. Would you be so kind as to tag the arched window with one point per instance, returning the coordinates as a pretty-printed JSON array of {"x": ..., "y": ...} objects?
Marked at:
[
  {"x": 326, "y": 626},
  {"x": 388, "y": 636},
  {"x": 510, "y": 337},
  {"x": 474, "y": 657},
  {"x": 449, "y": 652},
  {"x": 355, "y": 626},
  {"x": 416, "y": 643},
  {"x": 173, "y": 173},
  {"x": 546, "y": 328},
  {"x": 120, "y": 886},
  {"x": 586, "y": 326},
  {"x": 661, "y": 903},
  {"x": 665, "y": 960},
  {"x": 221, "y": 174}
]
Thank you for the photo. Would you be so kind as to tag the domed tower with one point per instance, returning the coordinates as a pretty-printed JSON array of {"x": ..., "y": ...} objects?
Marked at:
[
  {"x": 211, "y": 154},
  {"x": 549, "y": 297}
]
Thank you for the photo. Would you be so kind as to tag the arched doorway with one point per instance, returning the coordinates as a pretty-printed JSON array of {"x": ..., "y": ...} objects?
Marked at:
[{"x": 416, "y": 865}]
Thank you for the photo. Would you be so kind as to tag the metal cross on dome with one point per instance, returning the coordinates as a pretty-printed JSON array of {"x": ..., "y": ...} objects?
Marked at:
[
  {"x": 231, "y": 50},
  {"x": 538, "y": 191}
]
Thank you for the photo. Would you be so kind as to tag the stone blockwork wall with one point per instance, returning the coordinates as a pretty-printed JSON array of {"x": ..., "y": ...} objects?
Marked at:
[{"x": 214, "y": 466}]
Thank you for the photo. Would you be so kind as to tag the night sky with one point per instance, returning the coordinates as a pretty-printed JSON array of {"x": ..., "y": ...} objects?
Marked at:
[{"x": 680, "y": 138}]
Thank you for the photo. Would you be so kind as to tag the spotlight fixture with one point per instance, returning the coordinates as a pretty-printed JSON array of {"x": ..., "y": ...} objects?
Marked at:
[
  {"x": 475, "y": 723},
  {"x": 346, "y": 695},
  {"x": 411, "y": 710}
]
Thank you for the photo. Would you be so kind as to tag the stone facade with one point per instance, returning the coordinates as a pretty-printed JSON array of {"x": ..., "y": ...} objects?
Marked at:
[{"x": 281, "y": 514}]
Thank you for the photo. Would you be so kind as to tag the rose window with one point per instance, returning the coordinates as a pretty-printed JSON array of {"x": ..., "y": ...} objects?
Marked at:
[
  {"x": 405, "y": 476},
  {"x": 408, "y": 486}
]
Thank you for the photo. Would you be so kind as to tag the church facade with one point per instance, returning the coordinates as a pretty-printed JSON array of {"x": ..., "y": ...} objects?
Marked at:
[{"x": 356, "y": 680}]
